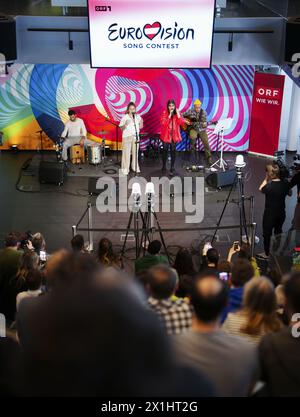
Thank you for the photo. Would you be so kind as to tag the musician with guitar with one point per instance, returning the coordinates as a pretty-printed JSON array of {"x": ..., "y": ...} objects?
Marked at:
[{"x": 196, "y": 125}]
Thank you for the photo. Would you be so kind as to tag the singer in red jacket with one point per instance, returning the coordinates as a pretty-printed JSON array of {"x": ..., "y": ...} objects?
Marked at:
[{"x": 170, "y": 121}]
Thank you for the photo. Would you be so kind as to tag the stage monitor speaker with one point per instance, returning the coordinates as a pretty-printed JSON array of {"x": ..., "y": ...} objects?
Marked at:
[
  {"x": 52, "y": 172},
  {"x": 221, "y": 178},
  {"x": 8, "y": 39},
  {"x": 292, "y": 37}
]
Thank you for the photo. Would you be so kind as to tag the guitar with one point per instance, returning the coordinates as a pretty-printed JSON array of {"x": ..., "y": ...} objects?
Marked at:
[{"x": 193, "y": 133}]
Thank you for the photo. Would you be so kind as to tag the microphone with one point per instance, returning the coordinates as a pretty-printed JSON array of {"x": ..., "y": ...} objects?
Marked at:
[{"x": 133, "y": 115}]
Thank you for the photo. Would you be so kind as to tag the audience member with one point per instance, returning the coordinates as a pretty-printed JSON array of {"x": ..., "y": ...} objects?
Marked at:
[
  {"x": 9, "y": 360},
  {"x": 224, "y": 266},
  {"x": 106, "y": 255},
  {"x": 258, "y": 315},
  {"x": 242, "y": 272},
  {"x": 31, "y": 276},
  {"x": 175, "y": 313},
  {"x": 77, "y": 243},
  {"x": 85, "y": 342},
  {"x": 210, "y": 261},
  {"x": 279, "y": 352},
  {"x": 185, "y": 269},
  {"x": 228, "y": 361},
  {"x": 10, "y": 259},
  {"x": 39, "y": 246},
  {"x": 38, "y": 242},
  {"x": 152, "y": 258},
  {"x": 244, "y": 252}
]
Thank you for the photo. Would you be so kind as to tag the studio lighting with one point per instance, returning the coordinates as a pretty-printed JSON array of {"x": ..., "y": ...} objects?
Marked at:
[
  {"x": 136, "y": 189},
  {"x": 240, "y": 162},
  {"x": 150, "y": 189},
  {"x": 136, "y": 195}
]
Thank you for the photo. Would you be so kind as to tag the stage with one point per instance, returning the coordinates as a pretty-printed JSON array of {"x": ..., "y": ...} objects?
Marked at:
[{"x": 53, "y": 210}]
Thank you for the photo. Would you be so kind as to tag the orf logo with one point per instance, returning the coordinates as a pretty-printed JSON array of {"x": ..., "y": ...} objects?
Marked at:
[{"x": 268, "y": 92}]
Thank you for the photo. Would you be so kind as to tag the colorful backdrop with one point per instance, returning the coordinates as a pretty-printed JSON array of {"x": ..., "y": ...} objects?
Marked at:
[{"x": 38, "y": 97}]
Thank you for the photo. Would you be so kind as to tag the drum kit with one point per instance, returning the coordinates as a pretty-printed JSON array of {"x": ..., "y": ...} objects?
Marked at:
[{"x": 96, "y": 153}]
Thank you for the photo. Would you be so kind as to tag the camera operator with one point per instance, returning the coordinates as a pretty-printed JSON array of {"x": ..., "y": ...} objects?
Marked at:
[
  {"x": 295, "y": 181},
  {"x": 275, "y": 189}
]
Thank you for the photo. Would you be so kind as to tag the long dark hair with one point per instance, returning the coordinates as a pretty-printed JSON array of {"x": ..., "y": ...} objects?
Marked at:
[
  {"x": 28, "y": 267},
  {"x": 106, "y": 254},
  {"x": 129, "y": 105},
  {"x": 171, "y": 101},
  {"x": 184, "y": 262}
]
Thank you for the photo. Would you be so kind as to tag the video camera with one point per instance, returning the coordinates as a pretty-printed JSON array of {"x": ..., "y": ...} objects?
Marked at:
[
  {"x": 25, "y": 239},
  {"x": 284, "y": 171}
]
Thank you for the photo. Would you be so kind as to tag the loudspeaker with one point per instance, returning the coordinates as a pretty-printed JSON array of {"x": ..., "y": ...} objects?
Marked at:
[
  {"x": 8, "y": 39},
  {"x": 52, "y": 172},
  {"x": 292, "y": 36},
  {"x": 221, "y": 178}
]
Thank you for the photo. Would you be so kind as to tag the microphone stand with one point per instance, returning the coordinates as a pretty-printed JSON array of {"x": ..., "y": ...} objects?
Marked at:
[
  {"x": 41, "y": 141},
  {"x": 137, "y": 141},
  {"x": 172, "y": 139},
  {"x": 117, "y": 138}
]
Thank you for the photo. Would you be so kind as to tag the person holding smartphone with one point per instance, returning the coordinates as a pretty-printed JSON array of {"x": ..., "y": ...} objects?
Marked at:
[
  {"x": 130, "y": 124},
  {"x": 275, "y": 190},
  {"x": 171, "y": 121},
  {"x": 243, "y": 251}
]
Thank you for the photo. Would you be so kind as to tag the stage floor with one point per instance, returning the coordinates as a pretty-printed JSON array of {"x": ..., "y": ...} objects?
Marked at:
[{"x": 53, "y": 210}]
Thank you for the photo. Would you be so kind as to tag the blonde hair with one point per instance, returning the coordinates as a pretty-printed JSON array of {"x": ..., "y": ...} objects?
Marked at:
[
  {"x": 197, "y": 102},
  {"x": 260, "y": 305}
]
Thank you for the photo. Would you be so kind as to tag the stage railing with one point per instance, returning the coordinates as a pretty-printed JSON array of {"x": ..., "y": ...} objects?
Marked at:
[{"x": 90, "y": 229}]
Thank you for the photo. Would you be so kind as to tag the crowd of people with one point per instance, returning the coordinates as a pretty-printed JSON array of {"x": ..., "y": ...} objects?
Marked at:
[{"x": 78, "y": 325}]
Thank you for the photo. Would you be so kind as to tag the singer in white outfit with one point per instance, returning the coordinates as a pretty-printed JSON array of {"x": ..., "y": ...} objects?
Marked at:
[
  {"x": 131, "y": 124},
  {"x": 74, "y": 134}
]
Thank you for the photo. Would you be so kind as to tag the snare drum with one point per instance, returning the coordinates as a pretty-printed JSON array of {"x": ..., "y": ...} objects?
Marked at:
[
  {"x": 77, "y": 154},
  {"x": 94, "y": 154}
]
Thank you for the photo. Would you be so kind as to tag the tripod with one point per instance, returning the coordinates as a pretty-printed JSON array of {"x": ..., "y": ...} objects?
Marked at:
[
  {"x": 117, "y": 137},
  {"x": 241, "y": 204},
  {"x": 150, "y": 228},
  {"x": 137, "y": 141},
  {"x": 135, "y": 216},
  {"x": 222, "y": 125}
]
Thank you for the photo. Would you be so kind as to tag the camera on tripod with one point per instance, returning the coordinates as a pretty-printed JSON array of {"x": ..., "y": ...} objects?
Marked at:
[
  {"x": 284, "y": 171},
  {"x": 296, "y": 164}
]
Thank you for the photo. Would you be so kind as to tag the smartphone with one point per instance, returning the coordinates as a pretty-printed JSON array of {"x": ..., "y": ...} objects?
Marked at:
[
  {"x": 224, "y": 276},
  {"x": 43, "y": 256},
  {"x": 236, "y": 245}
]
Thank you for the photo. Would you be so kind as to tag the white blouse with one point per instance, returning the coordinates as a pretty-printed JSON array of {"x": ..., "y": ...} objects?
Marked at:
[{"x": 130, "y": 129}]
